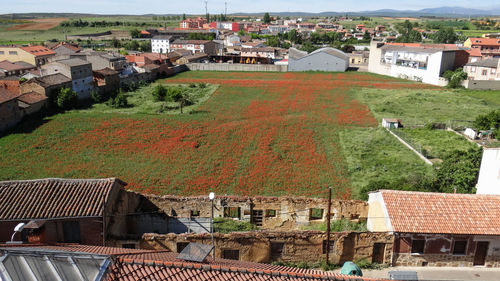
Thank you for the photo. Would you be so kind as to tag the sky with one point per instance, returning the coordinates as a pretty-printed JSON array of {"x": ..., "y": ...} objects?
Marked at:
[{"x": 138, "y": 7}]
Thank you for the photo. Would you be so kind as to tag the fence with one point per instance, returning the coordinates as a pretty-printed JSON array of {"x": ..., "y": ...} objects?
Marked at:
[
  {"x": 237, "y": 67},
  {"x": 417, "y": 148}
]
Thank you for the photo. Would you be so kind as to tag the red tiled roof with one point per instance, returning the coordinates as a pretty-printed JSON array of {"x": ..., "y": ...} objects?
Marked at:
[
  {"x": 485, "y": 41},
  {"x": 6, "y": 96},
  {"x": 135, "y": 264},
  {"x": 444, "y": 213},
  {"x": 38, "y": 50},
  {"x": 54, "y": 198},
  {"x": 475, "y": 52},
  {"x": 73, "y": 47},
  {"x": 31, "y": 97},
  {"x": 427, "y": 46},
  {"x": 7, "y": 65}
]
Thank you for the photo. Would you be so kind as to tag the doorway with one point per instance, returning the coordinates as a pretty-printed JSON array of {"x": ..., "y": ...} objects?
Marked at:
[
  {"x": 378, "y": 253},
  {"x": 481, "y": 252}
]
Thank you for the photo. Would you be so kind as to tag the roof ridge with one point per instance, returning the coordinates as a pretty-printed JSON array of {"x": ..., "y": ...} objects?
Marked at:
[
  {"x": 436, "y": 193},
  {"x": 62, "y": 180}
]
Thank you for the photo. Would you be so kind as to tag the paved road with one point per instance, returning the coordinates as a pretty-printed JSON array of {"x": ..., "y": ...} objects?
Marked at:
[{"x": 442, "y": 273}]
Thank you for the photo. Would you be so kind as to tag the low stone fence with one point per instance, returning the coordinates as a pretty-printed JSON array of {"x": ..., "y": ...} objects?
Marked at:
[
  {"x": 237, "y": 67},
  {"x": 482, "y": 84}
]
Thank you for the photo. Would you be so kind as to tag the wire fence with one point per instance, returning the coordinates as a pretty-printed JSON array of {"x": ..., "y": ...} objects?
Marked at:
[{"x": 400, "y": 133}]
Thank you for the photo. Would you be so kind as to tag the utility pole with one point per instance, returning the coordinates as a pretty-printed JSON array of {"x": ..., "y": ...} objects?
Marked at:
[
  {"x": 328, "y": 218},
  {"x": 206, "y": 7},
  {"x": 225, "y": 10}
]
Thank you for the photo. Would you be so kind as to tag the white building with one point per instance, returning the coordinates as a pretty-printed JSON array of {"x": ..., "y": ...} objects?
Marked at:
[
  {"x": 324, "y": 59},
  {"x": 232, "y": 40},
  {"x": 160, "y": 44},
  {"x": 489, "y": 173},
  {"x": 419, "y": 63}
]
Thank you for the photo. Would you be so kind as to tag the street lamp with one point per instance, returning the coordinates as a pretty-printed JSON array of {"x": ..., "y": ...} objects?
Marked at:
[
  {"x": 17, "y": 229},
  {"x": 211, "y": 196}
]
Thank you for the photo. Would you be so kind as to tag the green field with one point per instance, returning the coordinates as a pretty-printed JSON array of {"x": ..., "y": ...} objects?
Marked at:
[{"x": 257, "y": 134}]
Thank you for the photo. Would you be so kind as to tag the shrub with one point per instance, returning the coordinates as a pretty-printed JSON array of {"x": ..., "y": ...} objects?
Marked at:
[
  {"x": 202, "y": 85},
  {"x": 223, "y": 225},
  {"x": 120, "y": 101},
  {"x": 159, "y": 93},
  {"x": 455, "y": 77},
  {"x": 66, "y": 99},
  {"x": 192, "y": 85}
]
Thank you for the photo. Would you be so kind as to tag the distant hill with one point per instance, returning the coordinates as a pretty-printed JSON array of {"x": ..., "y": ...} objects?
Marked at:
[{"x": 432, "y": 12}]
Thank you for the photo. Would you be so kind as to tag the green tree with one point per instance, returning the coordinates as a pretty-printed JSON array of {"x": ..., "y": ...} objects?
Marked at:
[
  {"x": 183, "y": 16},
  {"x": 135, "y": 33},
  {"x": 455, "y": 77},
  {"x": 119, "y": 101},
  {"x": 267, "y": 18},
  {"x": 182, "y": 98},
  {"x": 66, "y": 99},
  {"x": 367, "y": 36},
  {"x": 445, "y": 35},
  {"x": 414, "y": 36},
  {"x": 488, "y": 121},
  {"x": 159, "y": 93},
  {"x": 460, "y": 170},
  {"x": 115, "y": 43}
]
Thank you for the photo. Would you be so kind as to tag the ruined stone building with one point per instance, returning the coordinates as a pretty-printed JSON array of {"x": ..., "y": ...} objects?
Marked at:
[
  {"x": 276, "y": 213},
  {"x": 283, "y": 246}
]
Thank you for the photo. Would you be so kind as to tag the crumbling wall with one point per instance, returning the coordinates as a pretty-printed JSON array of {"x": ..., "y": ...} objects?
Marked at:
[
  {"x": 284, "y": 213},
  {"x": 296, "y": 246}
]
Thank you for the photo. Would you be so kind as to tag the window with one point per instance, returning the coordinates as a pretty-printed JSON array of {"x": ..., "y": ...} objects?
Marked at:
[
  {"x": 71, "y": 230},
  {"x": 231, "y": 212},
  {"x": 417, "y": 246},
  {"x": 332, "y": 246},
  {"x": 257, "y": 217},
  {"x": 277, "y": 250},
  {"x": 2, "y": 52},
  {"x": 485, "y": 72},
  {"x": 231, "y": 254},
  {"x": 270, "y": 213},
  {"x": 128, "y": 246},
  {"x": 473, "y": 69},
  {"x": 493, "y": 71},
  {"x": 460, "y": 247},
  {"x": 13, "y": 53},
  {"x": 195, "y": 213},
  {"x": 315, "y": 214},
  {"x": 181, "y": 246}
]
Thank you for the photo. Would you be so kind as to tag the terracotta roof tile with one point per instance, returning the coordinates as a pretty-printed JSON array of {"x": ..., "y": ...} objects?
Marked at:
[
  {"x": 7, "y": 95},
  {"x": 485, "y": 41},
  {"x": 444, "y": 213},
  {"x": 134, "y": 264},
  {"x": 54, "y": 198},
  {"x": 38, "y": 51},
  {"x": 31, "y": 97}
]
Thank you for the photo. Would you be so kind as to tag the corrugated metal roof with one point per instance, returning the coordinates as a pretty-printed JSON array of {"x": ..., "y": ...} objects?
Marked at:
[{"x": 54, "y": 198}]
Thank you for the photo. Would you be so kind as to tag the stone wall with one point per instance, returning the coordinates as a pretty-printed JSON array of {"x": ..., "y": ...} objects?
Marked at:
[
  {"x": 284, "y": 213},
  {"x": 438, "y": 250},
  {"x": 284, "y": 246},
  {"x": 482, "y": 84}
]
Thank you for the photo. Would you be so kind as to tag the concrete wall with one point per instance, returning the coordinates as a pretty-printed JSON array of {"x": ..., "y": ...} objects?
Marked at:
[
  {"x": 438, "y": 250},
  {"x": 378, "y": 217},
  {"x": 236, "y": 67},
  {"x": 320, "y": 61},
  {"x": 482, "y": 84},
  {"x": 489, "y": 181},
  {"x": 297, "y": 246},
  {"x": 284, "y": 213}
]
